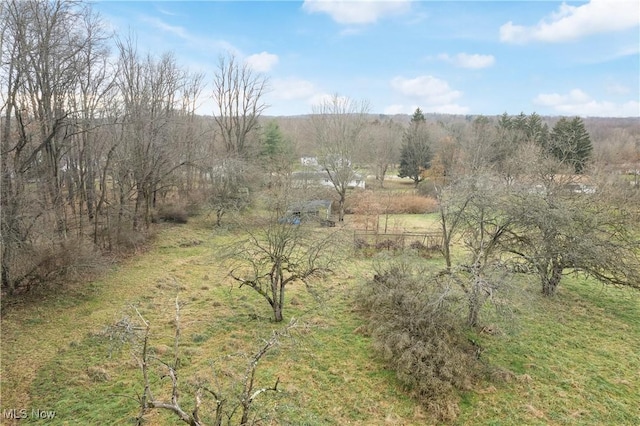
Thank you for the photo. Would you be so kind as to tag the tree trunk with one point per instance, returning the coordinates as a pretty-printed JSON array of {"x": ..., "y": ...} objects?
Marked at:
[
  {"x": 277, "y": 311},
  {"x": 550, "y": 283},
  {"x": 219, "y": 214},
  {"x": 90, "y": 189},
  {"x": 277, "y": 290},
  {"x": 474, "y": 309},
  {"x": 475, "y": 301},
  {"x": 341, "y": 206}
]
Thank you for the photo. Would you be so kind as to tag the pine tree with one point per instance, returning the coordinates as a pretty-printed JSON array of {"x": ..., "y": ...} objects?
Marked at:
[
  {"x": 416, "y": 154},
  {"x": 570, "y": 143},
  {"x": 273, "y": 140},
  {"x": 418, "y": 116}
]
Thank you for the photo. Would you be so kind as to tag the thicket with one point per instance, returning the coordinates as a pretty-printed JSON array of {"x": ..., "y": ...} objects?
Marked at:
[{"x": 418, "y": 329}]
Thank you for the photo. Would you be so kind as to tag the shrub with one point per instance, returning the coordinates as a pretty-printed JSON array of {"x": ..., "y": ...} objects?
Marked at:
[
  {"x": 412, "y": 204},
  {"x": 72, "y": 260},
  {"x": 129, "y": 240},
  {"x": 387, "y": 245},
  {"x": 173, "y": 213},
  {"x": 360, "y": 244},
  {"x": 417, "y": 331},
  {"x": 427, "y": 188}
]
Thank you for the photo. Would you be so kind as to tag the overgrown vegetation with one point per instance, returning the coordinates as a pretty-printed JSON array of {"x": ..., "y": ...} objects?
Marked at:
[
  {"x": 548, "y": 360},
  {"x": 417, "y": 330}
]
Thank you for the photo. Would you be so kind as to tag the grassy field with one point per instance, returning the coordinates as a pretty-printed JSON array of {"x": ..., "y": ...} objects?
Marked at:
[{"x": 570, "y": 360}]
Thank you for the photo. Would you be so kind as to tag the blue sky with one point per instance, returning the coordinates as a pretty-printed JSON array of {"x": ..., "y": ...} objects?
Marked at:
[{"x": 474, "y": 57}]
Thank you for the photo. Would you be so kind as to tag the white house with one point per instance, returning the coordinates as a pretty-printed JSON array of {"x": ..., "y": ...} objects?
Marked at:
[{"x": 322, "y": 178}]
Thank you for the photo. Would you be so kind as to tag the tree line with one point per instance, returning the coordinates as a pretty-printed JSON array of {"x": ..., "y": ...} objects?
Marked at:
[
  {"x": 95, "y": 134},
  {"x": 97, "y": 138}
]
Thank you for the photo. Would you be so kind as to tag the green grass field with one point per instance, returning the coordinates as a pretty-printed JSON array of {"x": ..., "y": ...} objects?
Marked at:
[{"x": 570, "y": 360}]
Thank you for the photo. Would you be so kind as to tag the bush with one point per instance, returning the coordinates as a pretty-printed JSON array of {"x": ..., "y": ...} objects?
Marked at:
[
  {"x": 173, "y": 213},
  {"x": 421, "y": 338},
  {"x": 72, "y": 260},
  {"x": 130, "y": 240},
  {"x": 387, "y": 245},
  {"x": 427, "y": 188}
]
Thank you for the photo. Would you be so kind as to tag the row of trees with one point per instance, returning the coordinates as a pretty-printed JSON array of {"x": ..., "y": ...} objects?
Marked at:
[
  {"x": 90, "y": 145},
  {"x": 495, "y": 144}
]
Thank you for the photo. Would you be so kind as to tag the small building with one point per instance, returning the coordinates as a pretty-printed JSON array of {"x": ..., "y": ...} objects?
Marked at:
[{"x": 309, "y": 211}]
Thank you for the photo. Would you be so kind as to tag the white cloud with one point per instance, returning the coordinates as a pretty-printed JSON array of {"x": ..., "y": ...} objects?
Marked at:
[
  {"x": 429, "y": 93},
  {"x": 399, "y": 109},
  {"x": 262, "y": 62},
  {"x": 167, "y": 12},
  {"x": 324, "y": 102},
  {"x": 426, "y": 88},
  {"x": 292, "y": 88},
  {"x": 576, "y": 96},
  {"x": 577, "y": 102},
  {"x": 617, "y": 89},
  {"x": 575, "y": 22},
  {"x": 320, "y": 99},
  {"x": 466, "y": 60},
  {"x": 203, "y": 44},
  {"x": 357, "y": 11},
  {"x": 161, "y": 25}
]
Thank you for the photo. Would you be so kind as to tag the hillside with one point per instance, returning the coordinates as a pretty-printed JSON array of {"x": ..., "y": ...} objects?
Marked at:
[{"x": 565, "y": 360}]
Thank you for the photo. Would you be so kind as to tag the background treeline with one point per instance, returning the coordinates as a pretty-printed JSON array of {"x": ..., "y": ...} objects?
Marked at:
[{"x": 99, "y": 140}]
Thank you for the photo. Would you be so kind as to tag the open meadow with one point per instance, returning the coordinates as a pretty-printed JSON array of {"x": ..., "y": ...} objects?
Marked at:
[{"x": 567, "y": 360}]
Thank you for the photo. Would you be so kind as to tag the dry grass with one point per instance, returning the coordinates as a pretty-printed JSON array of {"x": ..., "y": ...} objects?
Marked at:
[
  {"x": 567, "y": 360},
  {"x": 389, "y": 202}
]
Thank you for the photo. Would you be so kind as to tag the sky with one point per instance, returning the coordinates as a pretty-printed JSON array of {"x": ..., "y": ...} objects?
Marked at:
[{"x": 454, "y": 57}]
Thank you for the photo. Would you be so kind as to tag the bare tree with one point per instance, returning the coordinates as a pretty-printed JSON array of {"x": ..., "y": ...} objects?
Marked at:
[
  {"x": 276, "y": 254},
  {"x": 224, "y": 405},
  {"x": 45, "y": 46},
  {"x": 338, "y": 125},
  {"x": 472, "y": 210},
  {"x": 150, "y": 90},
  {"x": 189, "y": 132},
  {"x": 567, "y": 231},
  {"x": 238, "y": 93},
  {"x": 228, "y": 190},
  {"x": 381, "y": 150}
]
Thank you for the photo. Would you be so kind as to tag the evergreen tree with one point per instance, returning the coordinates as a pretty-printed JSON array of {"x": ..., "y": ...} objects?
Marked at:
[
  {"x": 276, "y": 153},
  {"x": 418, "y": 116},
  {"x": 416, "y": 154},
  {"x": 274, "y": 143},
  {"x": 570, "y": 143}
]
